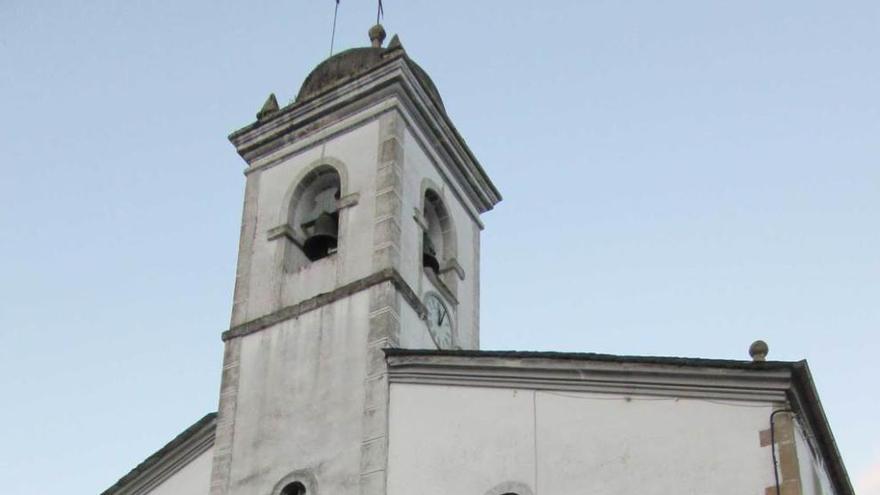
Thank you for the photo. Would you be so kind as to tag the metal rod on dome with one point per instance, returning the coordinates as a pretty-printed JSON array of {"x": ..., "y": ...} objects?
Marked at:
[
  {"x": 333, "y": 32},
  {"x": 379, "y": 13}
]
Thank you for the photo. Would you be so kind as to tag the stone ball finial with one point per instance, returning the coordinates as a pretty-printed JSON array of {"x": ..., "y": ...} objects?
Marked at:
[
  {"x": 377, "y": 35},
  {"x": 759, "y": 350}
]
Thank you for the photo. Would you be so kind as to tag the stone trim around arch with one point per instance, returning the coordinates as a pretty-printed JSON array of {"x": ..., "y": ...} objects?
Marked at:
[
  {"x": 451, "y": 270},
  {"x": 304, "y": 476},
  {"x": 510, "y": 488},
  {"x": 347, "y": 198},
  {"x": 450, "y": 239},
  {"x": 284, "y": 223},
  {"x": 296, "y": 185}
]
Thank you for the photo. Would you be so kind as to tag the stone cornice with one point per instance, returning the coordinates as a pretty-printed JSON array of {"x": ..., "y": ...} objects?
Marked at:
[
  {"x": 387, "y": 275},
  {"x": 391, "y": 79},
  {"x": 553, "y": 373}
]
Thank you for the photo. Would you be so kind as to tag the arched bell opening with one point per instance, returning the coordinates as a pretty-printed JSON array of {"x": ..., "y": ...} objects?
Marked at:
[
  {"x": 313, "y": 216},
  {"x": 438, "y": 239}
]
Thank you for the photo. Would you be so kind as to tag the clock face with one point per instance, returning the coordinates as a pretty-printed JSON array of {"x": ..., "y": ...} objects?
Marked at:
[{"x": 439, "y": 322}]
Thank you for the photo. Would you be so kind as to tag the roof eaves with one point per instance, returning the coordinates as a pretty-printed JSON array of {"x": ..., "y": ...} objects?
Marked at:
[
  {"x": 815, "y": 415},
  {"x": 589, "y": 356},
  {"x": 206, "y": 422}
]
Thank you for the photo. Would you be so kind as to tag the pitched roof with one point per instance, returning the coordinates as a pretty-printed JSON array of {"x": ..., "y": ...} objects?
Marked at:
[{"x": 204, "y": 425}]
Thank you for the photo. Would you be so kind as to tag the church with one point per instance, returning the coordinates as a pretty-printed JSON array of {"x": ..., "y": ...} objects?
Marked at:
[{"x": 352, "y": 364}]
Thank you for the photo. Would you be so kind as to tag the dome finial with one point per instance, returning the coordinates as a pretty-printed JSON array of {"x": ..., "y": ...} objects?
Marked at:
[
  {"x": 377, "y": 35},
  {"x": 758, "y": 350}
]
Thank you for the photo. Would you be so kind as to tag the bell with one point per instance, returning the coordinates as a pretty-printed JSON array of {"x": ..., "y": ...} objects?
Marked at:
[
  {"x": 323, "y": 237},
  {"x": 429, "y": 254}
]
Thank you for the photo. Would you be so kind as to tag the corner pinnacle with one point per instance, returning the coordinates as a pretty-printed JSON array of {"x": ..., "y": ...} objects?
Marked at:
[
  {"x": 395, "y": 43},
  {"x": 270, "y": 107}
]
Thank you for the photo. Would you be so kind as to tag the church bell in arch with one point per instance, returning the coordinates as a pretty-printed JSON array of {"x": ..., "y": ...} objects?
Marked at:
[
  {"x": 322, "y": 239},
  {"x": 429, "y": 254}
]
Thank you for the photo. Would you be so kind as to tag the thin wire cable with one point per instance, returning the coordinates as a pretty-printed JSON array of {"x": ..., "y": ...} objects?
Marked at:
[
  {"x": 735, "y": 404},
  {"x": 333, "y": 32},
  {"x": 623, "y": 398}
]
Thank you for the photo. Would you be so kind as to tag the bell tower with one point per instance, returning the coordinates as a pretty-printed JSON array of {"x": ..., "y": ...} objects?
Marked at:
[{"x": 360, "y": 232}]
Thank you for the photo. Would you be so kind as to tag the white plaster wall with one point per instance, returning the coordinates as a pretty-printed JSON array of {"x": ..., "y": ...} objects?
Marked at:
[
  {"x": 270, "y": 287},
  {"x": 814, "y": 474},
  {"x": 458, "y": 440},
  {"x": 418, "y": 167},
  {"x": 450, "y": 439},
  {"x": 414, "y": 332},
  {"x": 300, "y": 400},
  {"x": 192, "y": 479}
]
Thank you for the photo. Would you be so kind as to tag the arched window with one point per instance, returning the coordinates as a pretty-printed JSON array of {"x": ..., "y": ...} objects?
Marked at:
[
  {"x": 299, "y": 482},
  {"x": 438, "y": 241},
  {"x": 313, "y": 216},
  {"x": 295, "y": 488},
  {"x": 432, "y": 237},
  {"x": 510, "y": 488}
]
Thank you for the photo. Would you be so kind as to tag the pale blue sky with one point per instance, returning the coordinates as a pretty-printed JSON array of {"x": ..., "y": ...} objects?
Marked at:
[{"x": 680, "y": 178}]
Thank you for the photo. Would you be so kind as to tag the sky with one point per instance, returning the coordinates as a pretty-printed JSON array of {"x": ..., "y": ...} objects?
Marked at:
[{"x": 679, "y": 178}]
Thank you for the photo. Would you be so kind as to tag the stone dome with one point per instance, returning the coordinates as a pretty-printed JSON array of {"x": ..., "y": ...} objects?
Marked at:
[{"x": 349, "y": 64}]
